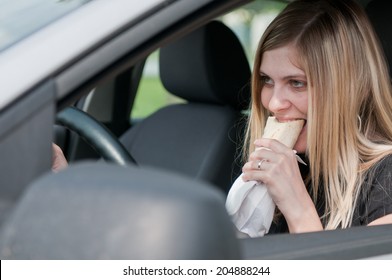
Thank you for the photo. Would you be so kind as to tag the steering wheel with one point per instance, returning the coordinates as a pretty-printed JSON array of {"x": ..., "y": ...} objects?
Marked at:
[{"x": 101, "y": 139}]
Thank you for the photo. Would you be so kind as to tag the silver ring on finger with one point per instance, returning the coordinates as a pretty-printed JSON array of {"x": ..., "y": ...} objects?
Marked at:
[{"x": 260, "y": 163}]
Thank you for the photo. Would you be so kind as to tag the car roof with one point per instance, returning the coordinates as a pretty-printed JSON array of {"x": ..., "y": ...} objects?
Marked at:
[
  {"x": 35, "y": 13},
  {"x": 56, "y": 45}
]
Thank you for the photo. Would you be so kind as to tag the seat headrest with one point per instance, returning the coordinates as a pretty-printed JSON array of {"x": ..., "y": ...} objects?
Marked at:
[
  {"x": 208, "y": 65},
  {"x": 379, "y": 14}
]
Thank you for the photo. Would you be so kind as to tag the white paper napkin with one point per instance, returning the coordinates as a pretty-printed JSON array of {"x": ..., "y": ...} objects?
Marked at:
[{"x": 250, "y": 207}]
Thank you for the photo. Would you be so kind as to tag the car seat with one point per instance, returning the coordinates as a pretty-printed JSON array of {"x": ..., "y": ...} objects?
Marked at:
[
  {"x": 200, "y": 138},
  {"x": 104, "y": 211}
]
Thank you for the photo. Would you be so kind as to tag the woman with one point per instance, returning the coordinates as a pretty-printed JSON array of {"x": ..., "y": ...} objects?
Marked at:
[{"x": 319, "y": 60}]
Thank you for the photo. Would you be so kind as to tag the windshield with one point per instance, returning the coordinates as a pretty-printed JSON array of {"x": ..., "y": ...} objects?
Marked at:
[{"x": 20, "y": 18}]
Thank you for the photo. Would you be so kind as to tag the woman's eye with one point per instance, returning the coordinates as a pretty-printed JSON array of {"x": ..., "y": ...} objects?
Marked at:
[
  {"x": 266, "y": 81},
  {"x": 298, "y": 84}
]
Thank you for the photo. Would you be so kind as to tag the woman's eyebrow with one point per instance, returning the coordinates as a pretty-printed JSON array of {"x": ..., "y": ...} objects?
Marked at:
[{"x": 289, "y": 77}]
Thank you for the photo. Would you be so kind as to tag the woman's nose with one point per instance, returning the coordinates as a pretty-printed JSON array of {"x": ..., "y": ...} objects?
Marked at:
[{"x": 278, "y": 101}]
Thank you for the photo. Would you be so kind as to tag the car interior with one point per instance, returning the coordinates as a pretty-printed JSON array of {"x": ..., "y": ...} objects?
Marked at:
[
  {"x": 180, "y": 161},
  {"x": 200, "y": 137}
]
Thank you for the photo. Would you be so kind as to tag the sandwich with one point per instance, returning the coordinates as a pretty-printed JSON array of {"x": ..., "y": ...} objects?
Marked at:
[{"x": 285, "y": 132}]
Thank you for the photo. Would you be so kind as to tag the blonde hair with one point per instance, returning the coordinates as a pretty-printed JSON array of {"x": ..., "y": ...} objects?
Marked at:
[{"x": 350, "y": 102}]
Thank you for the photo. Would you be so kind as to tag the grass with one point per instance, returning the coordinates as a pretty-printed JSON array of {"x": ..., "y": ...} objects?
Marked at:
[{"x": 150, "y": 97}]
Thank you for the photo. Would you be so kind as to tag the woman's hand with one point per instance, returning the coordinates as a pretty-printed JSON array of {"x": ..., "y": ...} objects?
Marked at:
[
  {"x": 276, "y": 166},
  {"x": 58, "y": 159}
]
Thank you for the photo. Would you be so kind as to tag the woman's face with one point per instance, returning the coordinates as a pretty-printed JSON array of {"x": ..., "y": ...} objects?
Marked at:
[{"x": 285, "y": 92}]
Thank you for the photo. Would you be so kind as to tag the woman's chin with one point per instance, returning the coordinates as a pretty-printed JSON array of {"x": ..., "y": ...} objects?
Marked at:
[
  {"x": 301, "y": 144},
  {"x": 301, "y": 149}
]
